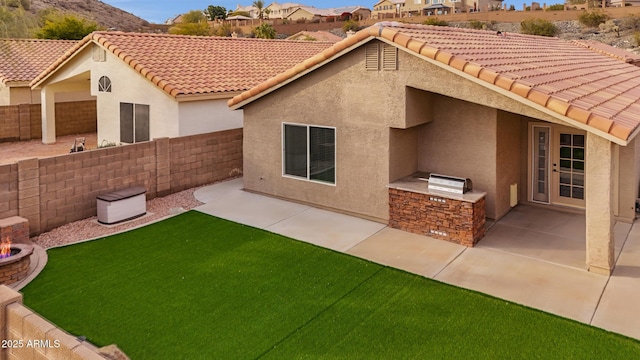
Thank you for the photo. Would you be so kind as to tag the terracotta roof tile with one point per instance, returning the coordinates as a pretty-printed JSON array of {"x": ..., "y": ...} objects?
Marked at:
[
  {"x": 588, "y": 82},
  {"x": 21, "y": 60},
  {"x": 189, "y": 65}
]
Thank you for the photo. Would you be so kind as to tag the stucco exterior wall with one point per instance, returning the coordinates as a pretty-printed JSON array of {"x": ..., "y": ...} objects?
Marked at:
[
  {"x": 403, "y": 152},
  {"x": 130, "y": 87},
  {"x": 508, "y": 159},
  {"x": 627, "y": 181},
  {"x": 4, "y": 95},
  {"x": 461, "y": 141},
  {"x": 199, "y": 117},
  {"x": 340, "y": 95}
]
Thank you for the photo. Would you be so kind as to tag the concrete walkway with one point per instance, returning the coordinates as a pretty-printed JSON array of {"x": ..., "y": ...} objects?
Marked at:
[{"x": 528, "y": 278}]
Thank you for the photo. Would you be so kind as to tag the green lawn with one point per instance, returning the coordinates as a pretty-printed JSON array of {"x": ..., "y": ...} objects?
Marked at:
[{"x": 199, "y": 287}]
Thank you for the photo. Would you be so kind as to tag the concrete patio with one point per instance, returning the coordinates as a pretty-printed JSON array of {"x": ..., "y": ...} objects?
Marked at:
[{"x": 533, "y": 256}]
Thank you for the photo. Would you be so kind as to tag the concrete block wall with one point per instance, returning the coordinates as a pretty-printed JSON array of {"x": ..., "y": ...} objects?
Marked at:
[
  {"x": 9, "y": 123},
  {"x": 24, "y": 122},
  {"x": 54, "y": 191},
  {"x": 27, "y": 335},
  {"x": 202, "y": 159},
  {"x": 8, "y": 190},
  {"x": 69, "y": 184},
  {"x": 76, "y": 117}
]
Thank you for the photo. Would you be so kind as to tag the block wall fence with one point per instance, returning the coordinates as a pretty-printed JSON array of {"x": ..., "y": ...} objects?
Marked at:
[
  {"x": 24, "y": 122},
  {"x": 26, "y": 335},
  {"x": 54, "y": 191}
]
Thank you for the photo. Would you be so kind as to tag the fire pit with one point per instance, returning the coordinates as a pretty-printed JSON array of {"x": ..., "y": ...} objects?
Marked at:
[{"x": 14, "y": 261}]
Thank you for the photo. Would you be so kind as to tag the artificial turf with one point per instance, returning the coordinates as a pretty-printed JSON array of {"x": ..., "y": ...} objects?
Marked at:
[{"x": 199, "y": 287}]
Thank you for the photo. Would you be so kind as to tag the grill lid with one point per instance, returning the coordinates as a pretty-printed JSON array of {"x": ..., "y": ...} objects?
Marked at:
[{"x": 450, "y": 184}]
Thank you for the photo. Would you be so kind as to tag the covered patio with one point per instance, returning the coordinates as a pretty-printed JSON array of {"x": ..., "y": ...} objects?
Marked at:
[{"x": 546, "y": 234}]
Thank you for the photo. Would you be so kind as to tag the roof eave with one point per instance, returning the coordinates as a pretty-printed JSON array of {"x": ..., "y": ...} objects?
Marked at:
[
  {"x": 50, "y": 71},
  {"x": 206, "y": 96},
  {"x": 523, "y": 100}
]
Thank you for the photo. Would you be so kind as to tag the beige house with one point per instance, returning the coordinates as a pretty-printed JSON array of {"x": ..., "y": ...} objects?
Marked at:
[
  {"x": 312, "y": 13},
  {"x": 388, "y": 8},
  {"x": 154, "y": 85},
  {"x": 281, "y": 11},
  {"x": 528, "y": 119}
]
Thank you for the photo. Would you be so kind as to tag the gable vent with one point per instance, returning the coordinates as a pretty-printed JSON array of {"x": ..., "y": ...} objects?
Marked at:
[
  {"x": 371, "y": 57},
  {"x": 389, "y": 57},
  {"x": 99, "y": 54}
]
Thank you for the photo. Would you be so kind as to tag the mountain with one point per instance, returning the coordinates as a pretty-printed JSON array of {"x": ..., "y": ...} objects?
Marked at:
[{"x": 105, "y": 15}]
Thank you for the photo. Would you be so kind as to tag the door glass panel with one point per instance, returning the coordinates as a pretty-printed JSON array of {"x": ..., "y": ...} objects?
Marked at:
[
  {"x": 578, "y": 140},
  {"x": 540, "y": 171},
  {"x": 571, "y": 179},
  {"x": 577, "y": 193}
]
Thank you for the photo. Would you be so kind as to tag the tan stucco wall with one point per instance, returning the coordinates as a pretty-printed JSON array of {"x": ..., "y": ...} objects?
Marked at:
[
  {"x": 508, "y": 159},
  {"x": 340, "y": 95},
  {"x": 461, "y": 141},
  {"x": 5, "y": 97},
  {"x": 627, "y": 181},
  {"x": 403, "y": 152}
]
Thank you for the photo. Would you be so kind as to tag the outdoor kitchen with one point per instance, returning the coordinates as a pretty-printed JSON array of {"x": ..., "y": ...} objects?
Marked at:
[{"x": 439, "y": 206}]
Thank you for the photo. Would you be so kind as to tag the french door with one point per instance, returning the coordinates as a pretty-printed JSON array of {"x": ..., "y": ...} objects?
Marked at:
[{"x": 557, "y": 165}]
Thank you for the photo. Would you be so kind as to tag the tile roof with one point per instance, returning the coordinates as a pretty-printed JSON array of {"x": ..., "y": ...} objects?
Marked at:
[
  {"x": 21, "y": 60},
  {"x": 587, "y": 82},
  {"x": 197, "y": 65},
  {"x": 317, "y": 35}
]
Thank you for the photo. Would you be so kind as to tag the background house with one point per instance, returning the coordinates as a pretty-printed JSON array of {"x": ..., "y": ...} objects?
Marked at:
[
  {"x": 21, "y": 60},
  {"x": 153, "y": 85},
  {"x": 528, "y": 119}
]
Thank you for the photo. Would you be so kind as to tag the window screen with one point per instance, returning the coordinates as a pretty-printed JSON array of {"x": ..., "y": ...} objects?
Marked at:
[{"x": 309, "y": 152}]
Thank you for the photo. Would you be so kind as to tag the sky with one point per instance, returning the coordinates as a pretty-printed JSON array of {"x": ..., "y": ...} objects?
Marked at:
[{"x": 158, "y": 11}]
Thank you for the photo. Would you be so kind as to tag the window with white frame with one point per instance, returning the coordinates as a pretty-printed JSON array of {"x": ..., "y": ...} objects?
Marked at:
[{"x": 309, "y": 152}]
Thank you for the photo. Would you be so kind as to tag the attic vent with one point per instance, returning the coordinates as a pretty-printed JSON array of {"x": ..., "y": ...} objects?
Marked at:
[
  {"x": 104, "y": 84},
  {"x": 371, "y": 57},
  {"x": 389, "y": 57},
  {"x": 380, "y": 57},
  {"x": 99, "y": 54}
]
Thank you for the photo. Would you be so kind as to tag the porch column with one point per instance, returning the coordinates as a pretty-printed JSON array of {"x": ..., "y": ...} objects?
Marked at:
[
  {"x": 48, "y": 113},
  {"x": 599, "y": 205}
]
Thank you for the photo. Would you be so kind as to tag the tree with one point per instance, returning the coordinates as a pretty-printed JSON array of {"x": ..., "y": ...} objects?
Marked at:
[
  {"x": 259, "y": 4},
  {"x": 65, "y": 27},
  {"x": 193, "y": 23},
  {"x": 216, "y": 12},
  {"x": 264, "y": 31}
]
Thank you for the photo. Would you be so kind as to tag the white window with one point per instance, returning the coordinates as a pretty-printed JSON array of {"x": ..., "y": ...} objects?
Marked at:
[
  {"x": 309, "y": 152},
  {"x": 134, "y": 123}
]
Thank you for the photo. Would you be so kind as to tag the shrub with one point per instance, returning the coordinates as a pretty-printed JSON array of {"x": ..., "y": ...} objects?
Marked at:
[
  {"x": 592, "y": 18},
  {"x": 636, "y": 38},
  {"x": 475, "y": 24},
  {"x": 435, "y": 22},
  {"x": 630, "y": 22},
  {"x": 223, "y": 30},
  {"x": 556, "y": 7},
  {"x": 538, "y": 27},
  {"x": 350, "y": 25},
  {"x": 264, "y": 31}
]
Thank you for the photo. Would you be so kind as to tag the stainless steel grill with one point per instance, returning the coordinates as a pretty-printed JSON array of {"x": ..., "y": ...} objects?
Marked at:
[{"x": 450, "y": 184}]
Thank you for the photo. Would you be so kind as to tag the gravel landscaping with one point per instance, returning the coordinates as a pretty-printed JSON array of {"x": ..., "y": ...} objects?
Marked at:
[{"x": 87, "y": 229}]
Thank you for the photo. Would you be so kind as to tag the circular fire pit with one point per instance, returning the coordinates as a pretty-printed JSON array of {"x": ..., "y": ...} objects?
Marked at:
[{"x": 16, "y": 266}]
